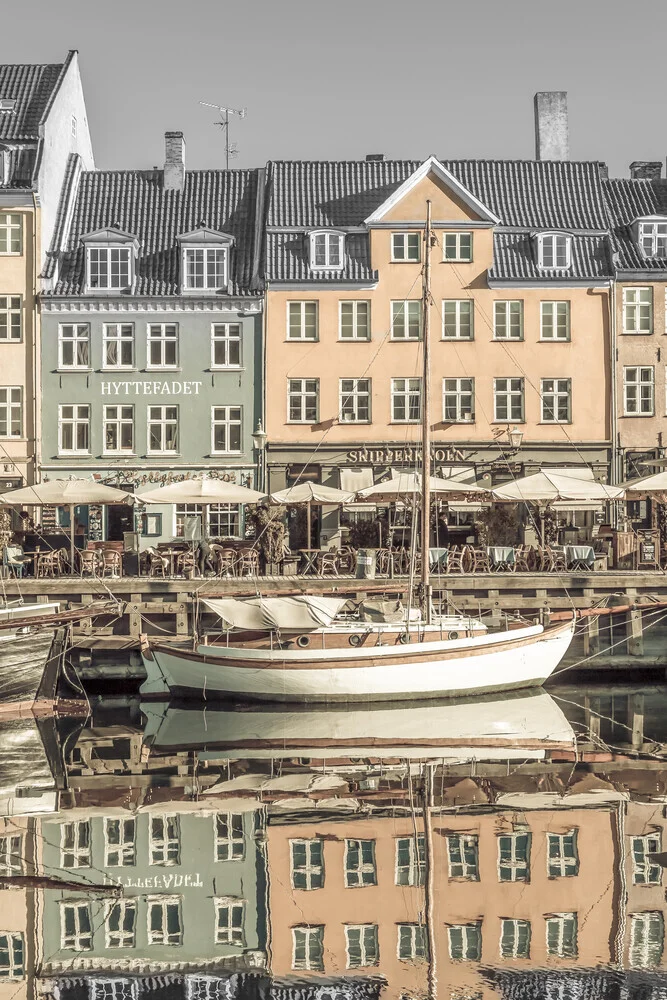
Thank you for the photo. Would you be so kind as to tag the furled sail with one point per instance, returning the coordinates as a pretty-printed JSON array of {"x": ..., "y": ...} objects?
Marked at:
[{"x": 301, "y": 613}]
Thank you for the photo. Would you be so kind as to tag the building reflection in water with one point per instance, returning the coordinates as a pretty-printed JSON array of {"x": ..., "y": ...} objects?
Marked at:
[{"x": 456, "y": 850}]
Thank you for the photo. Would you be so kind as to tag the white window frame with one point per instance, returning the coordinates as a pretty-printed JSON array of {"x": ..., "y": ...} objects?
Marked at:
[
  {"x": 471, "y": 941},
  {"x": 646, "y": 873},
  {"x": 402, "y": 317},
  {"x": 414, "y": 871},
  {"x": 298, "y": 307},
  {"x": 120, "y": 938},
  {"x": 226, "y": 335},
  {"x": 560, "y": 919},
  {"x": 515, "y": 925},
  {"x": 227, "y": 417},
  {"x": 81, "y": 855},
  {"x": 231, "y": 936},
  {"x": 518, "y": 868},
  {"x": 549, "y": 319},
  {"x": 505, "y": 314},
  {"x": 126, "y": 848},
  {"x": 549, "y": 245},
  {"x": 356, "y": 877},
  {"x": 163, "y": 420},
  {"x": 311, "y": 870},
  {"x": 369, "y": 951},
  {"x": 469, "y": 872},
  {"x": 229, "y": 846},
  {"x": 15, "y": 969},
  {"x": 453, "y": 388},
  {"x": 651, "y": 234},
  {"x": 162, "y": 334},
  {"x": 401, "y": 245},
  {"x": 80, "y": 338},
  {"x": 355, "y": 305},
  {"x": 11, "y": 224},
  {"x": 417, "y": 940},
  {"x": 558, "y": 866},
  {"x": 12, "y": 403},
  {"x": 11, "y": 313},
  {"x": 360, "y": 390},
  {"x": 302, "y": 394},
  {"x": 333, "y": 244},
  {"x": 404, "y": 387},
  {"x": 644, "y": 377},
  {"x": 640, "y": 955},
  {"x": 117, "y": 333},
  {"x": 459, "y": 256},
  {"x": 164, "y": 849},
  {"x": 638, "y": 310},
  {"x": 118, "y": 258},
  {"x": 511, "y": 391},
  {"x": 163, "y": 937},
  {"x": 119, "y": 421},
  {"x": 76, "y": 940},
  {"x": 11, "y": 854},
  {"x": 76, "y": 421},
  {"x": 461, "y": 307},
  {"x": 73, "y": 127},
  {"x": 206, "y": 260},
  {"x": 562, "y": 389},
  {"x": 314, "y": 931}
]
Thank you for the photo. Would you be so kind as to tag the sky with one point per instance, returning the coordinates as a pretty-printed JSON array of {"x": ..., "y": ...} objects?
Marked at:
[{"x": 343, "y": 78}]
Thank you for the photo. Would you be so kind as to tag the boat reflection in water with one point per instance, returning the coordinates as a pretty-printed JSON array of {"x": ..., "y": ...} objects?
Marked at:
[{"x": 461, "y": 850}]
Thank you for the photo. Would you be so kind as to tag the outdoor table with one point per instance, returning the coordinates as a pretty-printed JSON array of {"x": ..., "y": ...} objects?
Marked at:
[
  {"x": 172, "y": 555},
  {"x": 501, "y": 557},
  {"x": 310, "y": 558},
  {"x": 580, "y": 556},
  {"x": 437, "y": 560}
]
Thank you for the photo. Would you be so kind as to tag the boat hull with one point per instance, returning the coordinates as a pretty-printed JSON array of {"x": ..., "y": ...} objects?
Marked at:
[{"x": 506, "y": 661}]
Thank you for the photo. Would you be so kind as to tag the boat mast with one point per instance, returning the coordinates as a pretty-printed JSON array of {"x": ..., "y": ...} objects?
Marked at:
[{"x": 426, "y": 422}]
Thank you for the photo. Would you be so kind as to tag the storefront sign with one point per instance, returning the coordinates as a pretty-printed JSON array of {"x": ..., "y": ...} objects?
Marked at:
[
  {"x": 158, "y": 882},
  {"x": 151, "y": 388},
  {"x": 401, "y": 456}
]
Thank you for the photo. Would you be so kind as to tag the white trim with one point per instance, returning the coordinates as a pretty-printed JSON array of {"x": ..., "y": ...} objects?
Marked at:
[
  {"x": 228, "y": 845},
  {"x": 458, "y": 259},
  {"x": 124, "y": 848},
  {"x": 109, "y": 248},
  {"x": 312, "y": 237},
  {"x": 162, "y": 421},
  {"x": 364, "y": 962},
  {"x": 160, "y": 848},
  {"x": 75, "y": 420},
  {"x": 302, "y": 338},
  {"x": 12, "y": 227},
  {"x": 310, "y": 869},
  {"x": 204, "y": 250},
  {"x": 354, "y": 396},
  {"x": 10, "y": 311},
  {"x": 415, "y": 870},
  {"x": 228, "y": 423},
  {"x": 507, "y": 304},
  {"x": 302, "y": 394},
  {"x": 363, "y": 867},
  {"x": 516, "y": 922},
  {"x": 226, "y": 340},
  {"x": 554, "y": 235},
  {"x": 554, "y": 304},
  {"x": 74, "y": 340},
  {"x": 308, "y": 931},
  {"x": 158, "y": 937},
  {"x": 562, "y": 862},
  {"x": 355, "y": 303},
  {"x": 119, "y": 421},
  {"x": 163, "y": 341},
  {"x": 125, "y": 938},
  {"x": 229, "y": 903},
  {"x": 403, "y": 235},
  {"x": 73, "y": 942},
  {"x": 119, "y": 340}
]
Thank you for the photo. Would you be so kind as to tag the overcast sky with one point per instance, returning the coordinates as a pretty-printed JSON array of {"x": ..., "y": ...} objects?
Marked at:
[{"x": 343, "y": 78}]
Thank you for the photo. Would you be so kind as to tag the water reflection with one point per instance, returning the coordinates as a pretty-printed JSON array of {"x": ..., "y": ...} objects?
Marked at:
[{"x": 498, "y": 848}]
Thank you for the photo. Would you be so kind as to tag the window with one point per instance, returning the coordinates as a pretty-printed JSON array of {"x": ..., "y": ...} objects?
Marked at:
[
  {"x": 410, "y": 860},
  {"x": 75, "y": 844},
  {"x": 73, "y": 127},
  {"x": 508, "y": 320},
  {"x": 405, "y": 246},
  {"x": 223, "y": 519},
  {"x": 229, "y": 837},
  {"x": 406, "y": 320},
  {"x": 308, "y": 947},
  {"x": 515, "y": 938},
  {"x": 120, "y": 922},
  {"x": 411, "y": 942},
  {"x": 562, "y": 935},
  {"x": 226, "y": 430},
  {"x": 10, "y": 318},
  {"x": 555, "y": 321},
  {"x": 562, "y": 854},
  {"x": 355, "y": 400},
  {"x": 457, "y": 319},
  {"x": 457, "y": 246},
  {"x": 119, "y": 842},
  {"x": 164, "y": 840},
  {"x": 355, "y": 320},
  {"x": 226, "y": 345},
  {"x": 108, "y": 267},
  {"x": 465, "y": 942},
  {"x": 556, "y": 394},
  {"x": 118, "y": 428},
  {"x": 205, "y": 268},
  {"x": 11, "y": 233},
  {"x": 307, "y": 864},
  {"x": 151, "y": 525},
  {"x": 406, "y": 400},
  {"x": 463, "y": 854},
  {"x": 647, "y": 939},
  {"x": 74, "y": 429},
  {"x": 554, "y": 251},
  {"x": 163, "y": 429},
  {"x": 162, "y": 345},
  {"x": 326, "y": 250},
  {"x": 361, "y": 945},
  {"x": 303, "y": 396},
  {"x": 302, "y": 320},
  {"x": 165, "y": 925},
  {"x": 638, "y": 392},
  {"x": 76, "y": 927},
  {"x": 12, "y": 961},
  {"x": 458, "y": 400},
  {"x": 508, "y": 399},
  {"x": 637, "y": 310},
  {"x": 11, "y": 411},
  {"x": 11, "y": 854},
  {"x": 74, "y": 346},
  {"x": 360, "y": 863},
  {"x": 230, "y": 922},
  {"x": 644, "y": 871},
  {"x": 514, "y": 857},
  {"x": 653, "y": 238},
  {"x": 118, "y": 340}
]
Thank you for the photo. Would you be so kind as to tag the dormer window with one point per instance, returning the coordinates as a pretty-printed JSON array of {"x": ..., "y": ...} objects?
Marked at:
[
  {"x": 326, "y": 250},
  {"x": 7, "y": 105},
  {"x": 554, "y": 251},
  {"x": 110, "y": 257},
  {"x": 653, "y": 238},
  {"x": 205, "y": 260}
]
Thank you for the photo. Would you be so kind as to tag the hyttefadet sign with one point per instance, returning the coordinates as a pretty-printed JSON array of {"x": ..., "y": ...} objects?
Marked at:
[{"x": 152, "y": 388}]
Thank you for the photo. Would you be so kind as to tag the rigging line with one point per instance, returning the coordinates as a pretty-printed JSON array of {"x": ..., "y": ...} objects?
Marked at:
[{"x": 591, "y": 656}]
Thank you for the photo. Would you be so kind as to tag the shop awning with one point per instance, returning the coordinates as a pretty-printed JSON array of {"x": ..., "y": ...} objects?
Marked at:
[
  {"x": 353, "y": 480},
  {"x": 305, "y": 612}
]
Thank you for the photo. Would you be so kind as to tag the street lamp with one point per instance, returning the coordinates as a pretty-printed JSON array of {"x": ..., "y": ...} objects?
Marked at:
[
  {"x": 516, "y": 437},
  {"x": 259, "y": 443}
]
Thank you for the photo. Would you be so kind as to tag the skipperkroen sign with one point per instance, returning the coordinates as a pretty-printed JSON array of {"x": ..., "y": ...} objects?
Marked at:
[{"x": 151, "y": 388}]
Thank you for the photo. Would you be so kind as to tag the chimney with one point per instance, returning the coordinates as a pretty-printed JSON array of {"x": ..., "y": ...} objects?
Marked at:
[
  {"x": 552, "y": 133},
  {"x": 370, "y": 157},
  {"x": 174, "y": 161},
  {"x": 646, "y": 170}
]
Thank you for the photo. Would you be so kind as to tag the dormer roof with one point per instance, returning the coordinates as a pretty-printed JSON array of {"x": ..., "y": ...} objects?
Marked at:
[{"x": 205, "y": 235}]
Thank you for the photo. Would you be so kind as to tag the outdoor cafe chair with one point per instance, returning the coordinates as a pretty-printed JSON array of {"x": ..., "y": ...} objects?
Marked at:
[
  {"x": 480, "y": 561},
  {"x": 226, "y": 561},
  {"x": 111, "y": 562},
  {"x": 186, "y": 564},
  {"x": 523, "y": 559},
  {"x": 248, "y": 563},
  {"x": 457, "y": 560},
  {"x": 15, "y": 560},
  {"x": 89, "y": 560},
  {"x": 47, "y": 563},
  {"x": 558, "y": 561},
  {"x": 328, "y": 564},
  {"x": 347, "y": 560},
  {"x": 158, "y": 565}
]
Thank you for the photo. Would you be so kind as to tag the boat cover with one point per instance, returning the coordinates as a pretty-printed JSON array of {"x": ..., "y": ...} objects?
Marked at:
[{"x": 303, "y": 612}]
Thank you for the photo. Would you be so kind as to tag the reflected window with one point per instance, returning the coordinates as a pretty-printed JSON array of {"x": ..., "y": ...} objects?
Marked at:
[
  {"x": 112, "y": 989},
  {"x": 230, "y": 921},
  {"x": 360, "y": 867},
  {"x": 411, "y": 942},
  {"x": 410, "y": 860},
  {"x": 119, "y": 842},
  {"x": 229, "y": 838},
  {"x": 164, "y": 840},
  {"x": 361, "y": 943},
  {"x": 644, "y": 871},
  {"x": 307, "y": 864},
  {"x": 562, "y": 854},
  {"x": 12, "y": 952},
  {"x": 11, "y": 855},
  {"x": 562, "y": 935},
  {"x": 76, "y": 927},
  {"x": 514, "y": 857},
  {"x": 463, "y": 854},
  {"x": 515, "y": 938},
  {"x": 75, "y": 844},
  {"x": 647, "y": 937},
  {"x": 465, "y": 942},
  {"x": 308, "y": 947},
  {"x": 165, "y": 924},
  {"x": 120, "y": 921}
]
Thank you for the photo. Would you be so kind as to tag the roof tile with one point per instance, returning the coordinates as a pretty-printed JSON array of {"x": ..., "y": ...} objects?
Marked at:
[{"x": 31, "y": 86}]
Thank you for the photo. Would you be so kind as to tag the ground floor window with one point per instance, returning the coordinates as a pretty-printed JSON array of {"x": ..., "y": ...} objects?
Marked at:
[{"x": 223, "y": 519}]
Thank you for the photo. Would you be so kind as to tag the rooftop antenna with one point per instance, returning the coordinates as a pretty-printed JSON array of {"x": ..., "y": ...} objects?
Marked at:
[{"x": 231, "y": 148}]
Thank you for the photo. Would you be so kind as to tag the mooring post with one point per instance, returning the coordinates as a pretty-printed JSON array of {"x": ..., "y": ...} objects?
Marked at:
[
  {"x": 135, "y": 615},
  {"x": 182, "y": 614},
  {"x": 592, "y": 636},
  {"x": 634, "y": 632},
  {"x": 636, "y": 712}
]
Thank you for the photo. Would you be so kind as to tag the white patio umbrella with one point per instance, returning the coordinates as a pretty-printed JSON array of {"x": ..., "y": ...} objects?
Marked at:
[
  {"x": 654, "y": 487},
  {"x": 311, "y": 493},
  {"x": 546, "y": 487},
  {"x": 407, "y": 484},
  {"x": 67, "y": 493},
  {"x": 202, "y": 490}
]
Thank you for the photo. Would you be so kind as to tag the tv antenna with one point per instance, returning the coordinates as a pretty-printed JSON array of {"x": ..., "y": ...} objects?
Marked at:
[{"x": 231, "y": 149}]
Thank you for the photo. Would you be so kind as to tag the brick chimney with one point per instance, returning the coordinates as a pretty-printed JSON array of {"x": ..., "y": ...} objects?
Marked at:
[
  {"x": 646, "y": 170},
  {"x": 174, "y": 161},
  {"x": 371, "y": 157},
  {"x": 552, "y": 132}
]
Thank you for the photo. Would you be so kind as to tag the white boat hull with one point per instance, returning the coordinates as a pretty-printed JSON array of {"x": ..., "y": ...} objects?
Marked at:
[{"x": 504, "y": 661}]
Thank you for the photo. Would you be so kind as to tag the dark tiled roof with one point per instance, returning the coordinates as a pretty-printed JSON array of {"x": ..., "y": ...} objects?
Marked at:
[
  {"x": 32, "y": 88},
  {"x": 22, "y": 161},
  {"x": 525, "y": 194},
  {"x": 627, "y": 200},
  {"x": 288, "y": 259},
  {"x": 135, "y": 201},
  {"x": 514, "y": 259}
]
